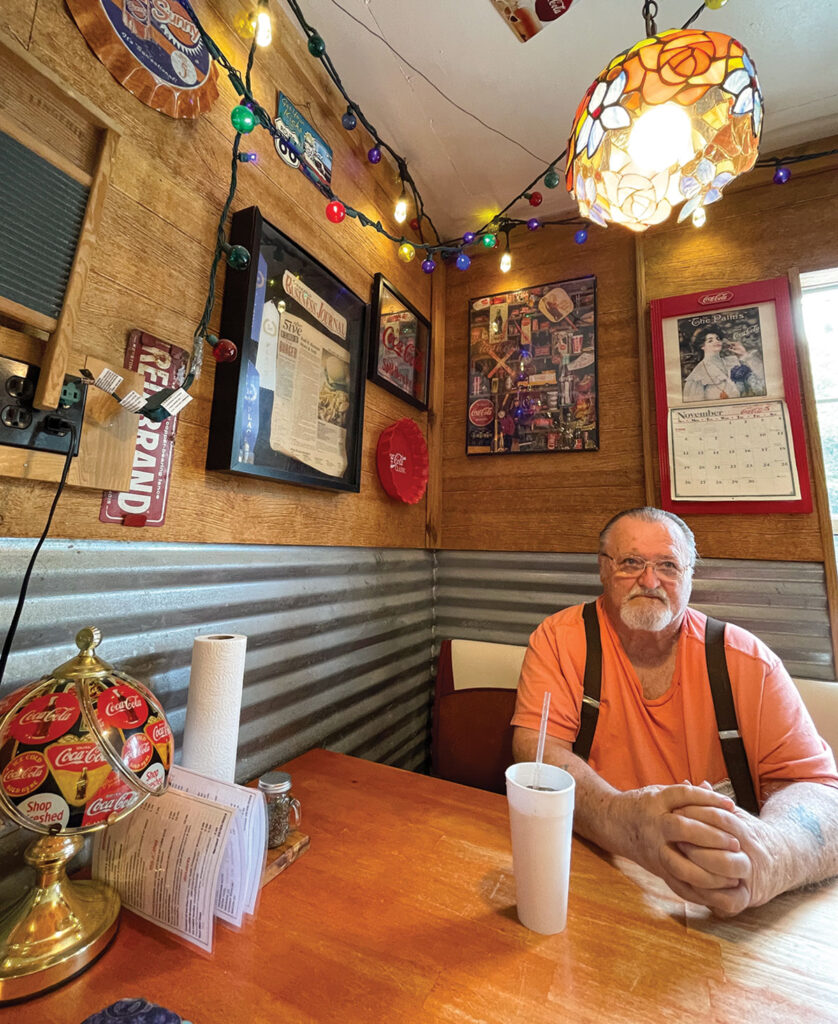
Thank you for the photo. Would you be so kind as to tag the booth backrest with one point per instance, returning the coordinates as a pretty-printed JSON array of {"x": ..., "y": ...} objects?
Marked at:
[
  {"x": 821, "y": 700},
  {"x": 475, "y": 699},
  {"x": 473, "y": 704}
]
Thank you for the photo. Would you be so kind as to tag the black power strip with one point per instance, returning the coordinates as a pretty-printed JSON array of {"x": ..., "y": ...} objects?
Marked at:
[{"x": 42, "y": 430}]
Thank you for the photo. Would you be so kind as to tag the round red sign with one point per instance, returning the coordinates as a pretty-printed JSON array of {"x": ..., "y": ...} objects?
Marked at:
[
  {"x": 123, "y": 707},
  {"x": 402, "y": 461},
  {"x": 46, "y": 718},
  {"x": 482, "y": 412},
  {"x": 24, "y": 774}
]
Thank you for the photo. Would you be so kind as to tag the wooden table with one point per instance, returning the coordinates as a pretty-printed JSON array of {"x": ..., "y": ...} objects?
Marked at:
[{"x": 403, "y": 910}]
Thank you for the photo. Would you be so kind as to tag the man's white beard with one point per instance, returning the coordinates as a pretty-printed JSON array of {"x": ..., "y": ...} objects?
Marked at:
[{"x": 651, "y": 613}]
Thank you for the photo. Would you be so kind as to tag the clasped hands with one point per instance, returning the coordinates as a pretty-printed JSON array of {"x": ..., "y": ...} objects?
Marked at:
[{"x": 703, "y": 846}]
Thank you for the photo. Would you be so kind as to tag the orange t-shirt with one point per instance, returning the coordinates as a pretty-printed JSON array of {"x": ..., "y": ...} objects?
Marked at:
[{"x": 641, "y": 742}]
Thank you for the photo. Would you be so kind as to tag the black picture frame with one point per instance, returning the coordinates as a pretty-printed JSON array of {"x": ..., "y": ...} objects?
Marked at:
[
  {"x": 533, "y": 382},
  {"x": 290, "y": 407},
  {"x": 399, "y": 361}
]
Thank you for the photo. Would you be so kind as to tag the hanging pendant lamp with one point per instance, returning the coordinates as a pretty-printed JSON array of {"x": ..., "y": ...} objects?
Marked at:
[{"x": 673, "y": 119}]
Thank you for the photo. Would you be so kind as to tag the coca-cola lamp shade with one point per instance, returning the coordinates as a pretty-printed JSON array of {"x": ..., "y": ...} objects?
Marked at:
[{"x": 81, "y": 747}]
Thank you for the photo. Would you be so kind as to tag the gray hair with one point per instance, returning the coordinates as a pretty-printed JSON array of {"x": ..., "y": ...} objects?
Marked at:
[{"x": 650, "y": 514}]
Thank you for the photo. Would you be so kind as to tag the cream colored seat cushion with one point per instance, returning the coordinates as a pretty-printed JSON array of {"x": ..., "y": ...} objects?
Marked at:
[
  {"x": 479, "y": 664},
  {"x": 821, "y": 700}
]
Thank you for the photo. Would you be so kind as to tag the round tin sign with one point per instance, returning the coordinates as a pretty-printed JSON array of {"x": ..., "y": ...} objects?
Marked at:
[
  {"x": 402, "y": 461},
  {"x": 153, "y": 48}
]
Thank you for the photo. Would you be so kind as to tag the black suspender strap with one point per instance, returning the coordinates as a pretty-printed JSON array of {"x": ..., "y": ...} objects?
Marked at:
[
  {"x": 733, "y": 749},
  {"x": 593, "y": 680}
]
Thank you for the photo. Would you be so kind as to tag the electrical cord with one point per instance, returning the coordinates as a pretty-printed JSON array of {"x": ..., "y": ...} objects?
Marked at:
[{"x": 57, "y": 426}]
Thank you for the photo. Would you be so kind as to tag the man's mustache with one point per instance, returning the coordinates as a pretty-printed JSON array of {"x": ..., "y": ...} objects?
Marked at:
[{"x": 658, "y": 592}]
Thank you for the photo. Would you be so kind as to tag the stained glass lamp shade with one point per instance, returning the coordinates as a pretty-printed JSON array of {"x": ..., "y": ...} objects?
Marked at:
[{"x": 672, "y": 120}]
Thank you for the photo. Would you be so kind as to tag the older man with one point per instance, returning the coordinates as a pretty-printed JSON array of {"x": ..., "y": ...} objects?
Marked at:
[{"x": 655, "y": 785}]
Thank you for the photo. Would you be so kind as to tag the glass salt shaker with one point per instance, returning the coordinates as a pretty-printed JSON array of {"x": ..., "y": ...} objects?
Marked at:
[{"x": 283, "y": 809}]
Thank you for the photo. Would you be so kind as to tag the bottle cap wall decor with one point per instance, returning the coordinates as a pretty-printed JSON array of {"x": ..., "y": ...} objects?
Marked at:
[
  {"x": 402, "y": 460},
  {"x": 154, "y": 50}
]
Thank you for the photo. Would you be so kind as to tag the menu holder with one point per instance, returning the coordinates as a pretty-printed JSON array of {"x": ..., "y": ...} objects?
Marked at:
[{"x": 184, "y": 858}]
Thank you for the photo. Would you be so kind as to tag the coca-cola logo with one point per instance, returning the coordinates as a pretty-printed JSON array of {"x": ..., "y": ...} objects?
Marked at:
[
  {"x": 482, "y": 412},
  {"x": 714, "y": 298},
  {"x": 45, "y": 718},
  {"x": 137, "y": 751},
  {"x": 113, "y": 803},
  {"x": 404, "y": 348},
  {"x": 114, "y": 707},
  {"x": 159, "y": 732},
  {"x": 123, "y": 707},
  {"x": 75, "y": 756},
  {"x": 24, "y": 774},
  {"x": 549, "y": 10}
]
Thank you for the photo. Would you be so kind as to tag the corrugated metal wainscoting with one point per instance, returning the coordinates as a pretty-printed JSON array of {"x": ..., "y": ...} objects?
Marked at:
[
  {"x": 339, "y": 649},
  {"x": 502, "y": 596},
  {"x": 339, "y": 639}
]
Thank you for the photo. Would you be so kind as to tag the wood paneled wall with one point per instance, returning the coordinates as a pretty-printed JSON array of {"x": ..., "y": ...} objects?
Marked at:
[
  {"x": 150, "y": 270},
  {"x": 559, "y": 501}
]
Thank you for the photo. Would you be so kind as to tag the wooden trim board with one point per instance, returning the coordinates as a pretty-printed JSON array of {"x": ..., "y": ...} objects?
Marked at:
[{"x": 280, "y": 857}]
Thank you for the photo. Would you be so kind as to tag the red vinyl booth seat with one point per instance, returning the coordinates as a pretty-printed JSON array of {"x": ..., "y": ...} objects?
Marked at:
[{"x": 472, "y": 738}]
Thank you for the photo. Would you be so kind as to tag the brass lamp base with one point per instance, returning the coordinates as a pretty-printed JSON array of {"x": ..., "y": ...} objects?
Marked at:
[{"x": 56, "y": 929}]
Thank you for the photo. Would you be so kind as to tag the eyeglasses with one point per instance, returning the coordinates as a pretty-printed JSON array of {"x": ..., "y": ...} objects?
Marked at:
[{"x": 631, "y": 566}]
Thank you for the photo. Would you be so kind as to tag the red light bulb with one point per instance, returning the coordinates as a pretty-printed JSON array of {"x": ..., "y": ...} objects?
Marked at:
[
  {"x": 225, "y": 351},
  {"x": 535, "y": 198},
  {"x": 335, "y": 211}
]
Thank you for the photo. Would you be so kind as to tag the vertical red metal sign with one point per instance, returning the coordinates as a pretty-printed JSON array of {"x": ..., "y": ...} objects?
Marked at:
[{"x": 163, "y": 366}]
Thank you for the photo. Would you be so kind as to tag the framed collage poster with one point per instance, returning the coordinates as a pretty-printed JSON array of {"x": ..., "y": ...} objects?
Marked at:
[
  {"x": 730, "y": 423},
  {"x": 532, "y": 381},
  {"x": 290, "y": 406},
  {"x": 399, "y": 347}
]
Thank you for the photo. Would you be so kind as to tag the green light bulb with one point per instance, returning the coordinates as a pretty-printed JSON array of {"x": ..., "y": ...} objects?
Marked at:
[
  {"x": 490, "y": 241},
  {"x": 238, "y": 257},
  {"x": 316, "y": 46},
  {"x": 242, "y": 119}
]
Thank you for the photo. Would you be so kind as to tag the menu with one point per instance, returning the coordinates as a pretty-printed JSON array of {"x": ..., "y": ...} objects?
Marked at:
[{"x": 183, "y": 858}]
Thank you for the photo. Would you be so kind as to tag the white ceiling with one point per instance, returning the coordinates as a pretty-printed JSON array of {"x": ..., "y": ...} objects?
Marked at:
[{"x": 530, "y": 91}]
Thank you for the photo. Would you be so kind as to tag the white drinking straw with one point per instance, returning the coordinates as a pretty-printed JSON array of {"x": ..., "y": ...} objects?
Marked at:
[{"x": 542, "y": 735}]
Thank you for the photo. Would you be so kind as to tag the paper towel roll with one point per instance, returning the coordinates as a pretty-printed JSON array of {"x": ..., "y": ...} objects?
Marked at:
[{"x": 213, "y": 705}]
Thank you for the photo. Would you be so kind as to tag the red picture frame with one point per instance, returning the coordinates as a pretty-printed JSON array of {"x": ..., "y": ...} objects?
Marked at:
[{"x": 708, "y": 347}]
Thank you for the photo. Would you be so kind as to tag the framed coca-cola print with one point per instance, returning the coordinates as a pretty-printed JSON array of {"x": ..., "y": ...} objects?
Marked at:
[
  {"x": 729, "y": 416},
  {"x": 532, "y": 370},
  {"x": 400, "y": 345}
]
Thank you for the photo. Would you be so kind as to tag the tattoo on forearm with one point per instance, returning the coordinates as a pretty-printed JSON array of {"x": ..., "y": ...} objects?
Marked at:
[{"x": 803, "y": 817}]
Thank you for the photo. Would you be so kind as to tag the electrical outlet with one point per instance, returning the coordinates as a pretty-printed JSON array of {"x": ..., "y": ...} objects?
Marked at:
[{"x": 24, "y": 426}]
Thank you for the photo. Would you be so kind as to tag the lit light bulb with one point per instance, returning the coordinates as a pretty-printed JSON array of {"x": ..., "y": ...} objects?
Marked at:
[
  {"x": 400, "y": 212},
  {"x": 263, "y": 26},
  {"x": 661, "y": 137},
  {"x": 699, "y": 217},
  {"x": 506, "y": 262}
]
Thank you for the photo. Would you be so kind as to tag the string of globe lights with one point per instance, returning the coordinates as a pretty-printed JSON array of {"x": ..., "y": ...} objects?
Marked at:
[{"x": 663, "y": 72}]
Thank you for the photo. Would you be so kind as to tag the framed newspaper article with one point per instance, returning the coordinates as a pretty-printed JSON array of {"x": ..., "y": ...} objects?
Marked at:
[
  {"x": 290, "y": 406},
  {"x": 532, "y": 370},
  {"x": 730, "y": 422},
  {"x": 400, "y": 342}
]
